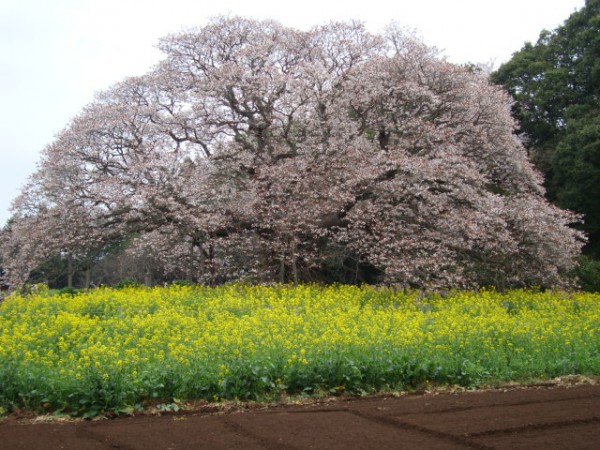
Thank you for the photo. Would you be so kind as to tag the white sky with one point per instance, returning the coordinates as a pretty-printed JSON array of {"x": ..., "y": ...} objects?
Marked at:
[{"x": 55, "y": 54}]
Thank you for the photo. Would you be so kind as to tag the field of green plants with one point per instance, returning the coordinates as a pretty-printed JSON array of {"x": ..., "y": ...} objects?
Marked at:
[{"x": 119, "y": 349}]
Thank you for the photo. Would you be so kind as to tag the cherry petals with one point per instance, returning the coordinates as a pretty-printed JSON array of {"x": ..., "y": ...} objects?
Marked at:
[{"x": 263, "y": 153}]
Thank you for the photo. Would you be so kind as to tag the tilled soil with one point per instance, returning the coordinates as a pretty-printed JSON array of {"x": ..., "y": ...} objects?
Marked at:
[{"x": 551, "y": 417}]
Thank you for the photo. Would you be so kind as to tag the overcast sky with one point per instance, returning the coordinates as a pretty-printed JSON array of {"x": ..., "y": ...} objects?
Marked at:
[{"x": 55, "y": 54}]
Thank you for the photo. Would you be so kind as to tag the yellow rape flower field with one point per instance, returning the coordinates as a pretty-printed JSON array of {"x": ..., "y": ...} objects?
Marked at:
[{"x": 115, "y": 350}]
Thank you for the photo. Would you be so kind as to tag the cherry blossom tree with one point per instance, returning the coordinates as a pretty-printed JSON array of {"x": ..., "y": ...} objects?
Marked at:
[{"x": 264, "y": 153}]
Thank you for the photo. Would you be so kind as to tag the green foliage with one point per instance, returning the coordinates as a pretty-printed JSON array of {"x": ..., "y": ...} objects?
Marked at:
[
  {"x": 128, "y": 284},
  {"x": 576, "y": 173},
  {"x": 184, "y": 282},
  {"x": 588, "y": 273},
  {"x": 69, "y": 291},
  {"x": 556, "y": 86}
]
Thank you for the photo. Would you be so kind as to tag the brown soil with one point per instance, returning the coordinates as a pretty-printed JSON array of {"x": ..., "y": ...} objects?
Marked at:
[{"x": 560, "y": 416}]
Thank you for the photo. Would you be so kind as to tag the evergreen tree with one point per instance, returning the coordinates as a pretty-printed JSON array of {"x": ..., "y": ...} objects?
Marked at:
[{"x": 556, "y": 87}]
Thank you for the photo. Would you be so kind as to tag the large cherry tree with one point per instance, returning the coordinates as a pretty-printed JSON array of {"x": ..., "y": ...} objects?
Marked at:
[{"x": 264, "y": 153}]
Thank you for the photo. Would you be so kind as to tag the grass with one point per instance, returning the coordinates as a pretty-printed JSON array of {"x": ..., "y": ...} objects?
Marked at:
[{"x": 117, "y": 350}]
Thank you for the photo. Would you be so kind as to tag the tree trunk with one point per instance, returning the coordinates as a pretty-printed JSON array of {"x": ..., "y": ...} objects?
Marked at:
[
  {"x": 211, "y": 264},
  {"x": 191, "y": 265},
  {"x": 147, "y": 277},
  {"x": 294, "y": 264},
  {"x": 282, "y": 268},
  {"x": 69, "y": 270},
  {"x": 200, "y": 276},
  {"x": 88, "y": 277}
]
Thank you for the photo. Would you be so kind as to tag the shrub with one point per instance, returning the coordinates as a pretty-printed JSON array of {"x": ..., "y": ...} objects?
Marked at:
[
  {"x": 68, "y": 291},
  {"x": 128, "y": 284},
  {"x": 184, "y": 282}
]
